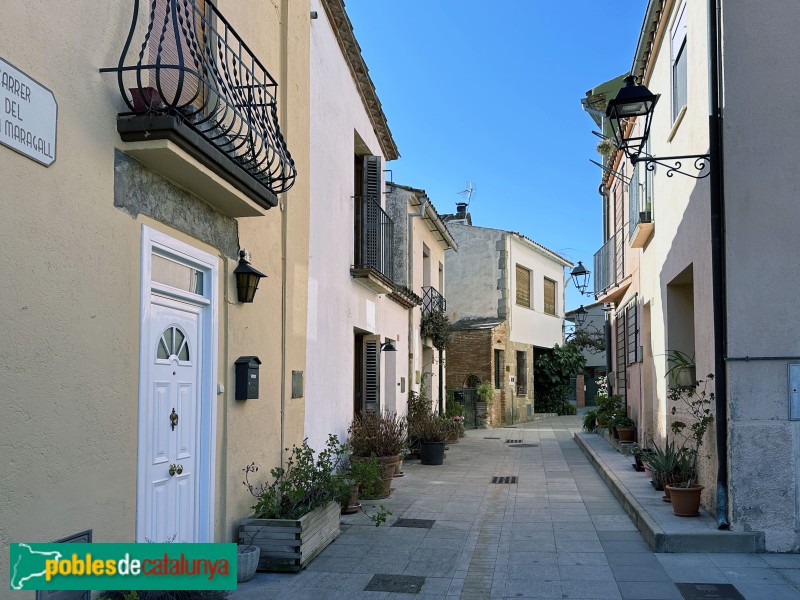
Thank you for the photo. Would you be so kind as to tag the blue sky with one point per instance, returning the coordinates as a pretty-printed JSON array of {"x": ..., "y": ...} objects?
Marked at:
[{"x": 489, "y": 92}]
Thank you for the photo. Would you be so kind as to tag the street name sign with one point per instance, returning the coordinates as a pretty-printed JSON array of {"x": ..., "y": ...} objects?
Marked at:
[{"x": 28, "y": 115}]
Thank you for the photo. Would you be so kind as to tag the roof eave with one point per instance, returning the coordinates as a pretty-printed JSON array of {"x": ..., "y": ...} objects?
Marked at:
[{"x": 343, "y": 29}]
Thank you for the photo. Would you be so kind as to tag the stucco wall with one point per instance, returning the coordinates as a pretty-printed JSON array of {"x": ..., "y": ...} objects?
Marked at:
[
  {"x": 475, "y": 274},
  {"x": 338, "y": 305},
  {"x": 533, "y": 325},
  {"x": 761, "y": 143},
  {"x": 71, "y": 309}
]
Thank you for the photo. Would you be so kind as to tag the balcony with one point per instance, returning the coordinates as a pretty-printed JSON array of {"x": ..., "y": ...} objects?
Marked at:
[
  {"x": 202, "y": 108},
  {"x": 609, "y": 267},
  {"x": 374, "y": 240},
  {"x": 432, "y": 301}
]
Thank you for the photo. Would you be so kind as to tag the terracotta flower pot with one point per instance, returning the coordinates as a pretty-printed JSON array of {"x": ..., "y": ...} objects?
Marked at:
[
  {"x": 626, "y": 434},
  {"x": 352, "y": 506},
  {"x": 388, "y": 464},
  {"x": 685, "y": 501}
]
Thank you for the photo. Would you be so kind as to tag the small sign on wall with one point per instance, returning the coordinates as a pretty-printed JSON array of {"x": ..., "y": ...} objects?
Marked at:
[
  {"x": 28, "y": 115},
  {"x": 794, "y": 391}
]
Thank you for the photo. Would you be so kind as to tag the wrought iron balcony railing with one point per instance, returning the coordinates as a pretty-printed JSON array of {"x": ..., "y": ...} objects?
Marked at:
[
  {"x": 374, "y": 237},
  {"x": 432, "y": 300},
  {"x": 609, "y": 263},
  {"x": 189, "y": 63}
]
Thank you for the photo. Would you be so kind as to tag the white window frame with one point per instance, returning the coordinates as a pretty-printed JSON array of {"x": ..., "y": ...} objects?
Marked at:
[{"x": 678, "y": 47}]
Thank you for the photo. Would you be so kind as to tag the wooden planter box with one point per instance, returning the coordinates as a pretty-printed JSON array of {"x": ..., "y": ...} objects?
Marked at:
[{"x": 287, "y": 544}]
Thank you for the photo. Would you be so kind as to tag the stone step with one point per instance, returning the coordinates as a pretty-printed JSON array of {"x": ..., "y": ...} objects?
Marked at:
[{"x": 662, "y": 530}]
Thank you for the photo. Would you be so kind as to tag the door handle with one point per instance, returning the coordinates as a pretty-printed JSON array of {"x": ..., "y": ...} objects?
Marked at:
[
  {"x": 173, "y": 419},
  {"x": 172, "y": 470},
  {"x": 179, "y": 470}
]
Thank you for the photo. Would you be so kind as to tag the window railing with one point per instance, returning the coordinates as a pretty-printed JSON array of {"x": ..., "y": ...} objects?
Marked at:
[
  {"x": 609, "y": 265},
  {"x": 432, "y": 300},
  {"x": 639, "y": 205},
  {"x": 374, "y": 237},
  {"x": 189, "y": 63}
]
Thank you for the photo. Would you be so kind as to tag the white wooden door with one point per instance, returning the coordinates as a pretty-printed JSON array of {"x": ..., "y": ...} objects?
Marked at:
[{"x": 171, "y": 417}]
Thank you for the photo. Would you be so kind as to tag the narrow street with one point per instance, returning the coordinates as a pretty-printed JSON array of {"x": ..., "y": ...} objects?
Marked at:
[{"x": 557, "y": 533}]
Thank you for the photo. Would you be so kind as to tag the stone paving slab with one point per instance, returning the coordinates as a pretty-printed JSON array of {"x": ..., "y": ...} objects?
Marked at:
[{"x": 530, "y": 540}]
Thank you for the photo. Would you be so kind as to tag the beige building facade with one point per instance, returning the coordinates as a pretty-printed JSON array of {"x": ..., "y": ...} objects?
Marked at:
[
  {"x": 657, "y": 267},
  {"x": 121, "y": 318}
]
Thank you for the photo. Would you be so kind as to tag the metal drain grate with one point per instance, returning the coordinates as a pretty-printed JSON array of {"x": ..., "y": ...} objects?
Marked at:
[
  {"x": 513, "y": 441},
  {"x": 524, "y": 446},
  {"x": 709, "y": 591},
  {"x": 418, "y": 523},
  {"x": 504, "y": 479},
  {"x": 400, "y": 584},
  {"x": 491, "y": 438}
]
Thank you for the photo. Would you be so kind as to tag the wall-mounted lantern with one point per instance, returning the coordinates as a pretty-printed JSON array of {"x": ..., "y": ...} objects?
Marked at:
[
  {"x": 388, "y": 347},
  {"x": 247, "y": 278},
  {"x": 580, "y": 315}
]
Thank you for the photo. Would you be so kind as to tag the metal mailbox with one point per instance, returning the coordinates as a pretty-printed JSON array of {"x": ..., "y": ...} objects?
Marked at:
[{"x": 247, "y": 377}]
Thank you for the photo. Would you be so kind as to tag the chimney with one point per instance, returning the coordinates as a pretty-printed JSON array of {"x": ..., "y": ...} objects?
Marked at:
[{"x": 461, "y": 210}]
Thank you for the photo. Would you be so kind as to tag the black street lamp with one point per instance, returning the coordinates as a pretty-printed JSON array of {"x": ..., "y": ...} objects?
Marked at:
[
  {"x": 247, "y": 279},
  {"x": 580, "y": 277},
  {"x": 635, "y": 101},
  {"x": 580, "y": 315},
  {"x": 388, "y": 347}
]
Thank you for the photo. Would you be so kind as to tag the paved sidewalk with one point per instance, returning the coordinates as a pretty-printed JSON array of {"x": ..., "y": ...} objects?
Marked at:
[{"x": 557, "y": 533}]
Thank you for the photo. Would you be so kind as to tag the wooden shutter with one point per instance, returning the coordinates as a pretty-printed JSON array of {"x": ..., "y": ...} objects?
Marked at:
[
  {"x": 523, "y": 287},
  {"x": 372, "y": 372},
  {"x": 549, "y": 296},
  {"x": 622, "y": 373},
  {"x": 632, "y": 331},
  {"x": 190, "y": 38},
  {"x": 372, "y": 177}
]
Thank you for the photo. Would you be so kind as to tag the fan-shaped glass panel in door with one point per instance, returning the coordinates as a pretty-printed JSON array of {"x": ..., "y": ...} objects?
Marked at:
[{"x": 173, "y": 342}]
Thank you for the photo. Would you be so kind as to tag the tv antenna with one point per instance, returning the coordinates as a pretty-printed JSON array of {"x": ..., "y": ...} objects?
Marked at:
[{"x": 467, "y": 193}]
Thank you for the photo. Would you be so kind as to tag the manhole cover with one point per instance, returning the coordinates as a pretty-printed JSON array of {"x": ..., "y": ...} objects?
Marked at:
[
  {"x": 401, "y": 584},
  {"x": 709, "y": 591},
  {"x": 504, "y": 479},
  {"x": 524, "y": 446},
  {"x": 513, "y": 441},
  {"x": 418, "y": 523}
]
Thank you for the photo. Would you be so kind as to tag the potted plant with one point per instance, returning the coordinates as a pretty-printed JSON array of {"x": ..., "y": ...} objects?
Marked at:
[
  {"x": 606, "y": 147},
  {"x": 695, "y": 402},
  {"x": 626, "y": 428},
  {"x": 381, "y": 435},
  {"x": 682, "y": 370},
  {"x": 590, "y": 421},
  {"x": 663, "y": 463},
  {"x": 485, "y": 391},
  {"x": 432, "y": 433},
  {"x": 297, "y": 513}
]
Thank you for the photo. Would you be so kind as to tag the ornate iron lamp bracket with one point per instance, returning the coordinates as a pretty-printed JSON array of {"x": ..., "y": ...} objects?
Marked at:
[{"x": 701, "y": 163}]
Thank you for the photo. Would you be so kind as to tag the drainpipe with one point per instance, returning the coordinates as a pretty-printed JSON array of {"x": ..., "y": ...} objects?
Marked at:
[
  {"x": 284, "y": 208},
  {"x": 717, "y": 193}
]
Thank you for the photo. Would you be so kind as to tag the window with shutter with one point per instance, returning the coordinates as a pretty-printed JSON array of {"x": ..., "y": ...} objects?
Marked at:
[
  {"x": 632, "y": 333},
  {"x": 523, "y": 287},
  {"x": 549, "y": 296},
  {"x": 372, "y": 380},
  {"x": 372, "y": 177},
  {"x": 498, "y": 369},
  {"x": 621, "y": 367}
]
